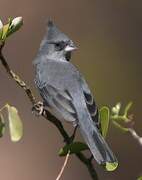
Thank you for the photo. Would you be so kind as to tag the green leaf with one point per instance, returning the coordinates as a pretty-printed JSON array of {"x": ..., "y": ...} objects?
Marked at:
[
  {"x": 15, "y": 124},
  {"x": 74, "y": 147},
  {"x": 2, "y": 125},
  {"x": 5, "y": 31},
  {"x": 111, "y": 166},
  {"x": 139, "y": 178},
  {"x": 104, "y": 119},
  {"x": 127, "y": 108}
]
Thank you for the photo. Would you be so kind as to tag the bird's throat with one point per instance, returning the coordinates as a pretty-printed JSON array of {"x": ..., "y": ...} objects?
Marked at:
[{"x": 68, "y": 56}]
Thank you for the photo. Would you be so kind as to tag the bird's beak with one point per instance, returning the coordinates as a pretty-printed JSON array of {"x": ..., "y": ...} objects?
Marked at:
[{"x": 70, "y": 47}]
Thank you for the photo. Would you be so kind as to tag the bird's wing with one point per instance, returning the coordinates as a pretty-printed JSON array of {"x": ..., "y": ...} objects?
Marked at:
[
  {"x": 90, "y": 103},
  {"x": 59, "y": 100}
]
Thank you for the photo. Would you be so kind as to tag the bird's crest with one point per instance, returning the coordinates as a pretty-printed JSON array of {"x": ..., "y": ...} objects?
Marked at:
[
  {"x": 54, "y": 34},
  {"x": 50, "y": 23}
]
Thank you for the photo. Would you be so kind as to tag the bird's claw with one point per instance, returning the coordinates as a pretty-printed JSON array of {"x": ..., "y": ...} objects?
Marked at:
[{"x": 38, "y": 108}]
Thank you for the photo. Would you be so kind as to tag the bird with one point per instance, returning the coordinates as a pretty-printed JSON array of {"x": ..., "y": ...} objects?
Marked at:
[{"x": 66, "y": 94}]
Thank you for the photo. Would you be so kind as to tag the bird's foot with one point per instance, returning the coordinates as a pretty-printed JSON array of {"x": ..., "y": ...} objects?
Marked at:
[
  {"x": 91, "y": 157},
  {"x": 38, "y": 108}
]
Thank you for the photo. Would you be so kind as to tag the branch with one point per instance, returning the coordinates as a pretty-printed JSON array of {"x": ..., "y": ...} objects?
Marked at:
[
  {"x": 135, "y": 136},
  {"x": 127, "y": 120},
  {"x": 47, "y": 115}
]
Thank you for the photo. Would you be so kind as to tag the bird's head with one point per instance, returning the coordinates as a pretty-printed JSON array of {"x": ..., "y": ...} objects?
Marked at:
[{"x": 59, "y": 44}]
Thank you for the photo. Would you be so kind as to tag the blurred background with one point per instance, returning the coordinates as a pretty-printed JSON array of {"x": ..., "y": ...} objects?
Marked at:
[{"x": 108, "y": 35}]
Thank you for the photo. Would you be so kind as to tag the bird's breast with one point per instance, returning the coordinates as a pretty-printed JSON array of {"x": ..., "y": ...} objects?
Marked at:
[{"x": 58, "y": 74}]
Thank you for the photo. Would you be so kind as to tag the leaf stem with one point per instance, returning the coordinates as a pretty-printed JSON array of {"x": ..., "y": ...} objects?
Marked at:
[{"x": 63, "y": 167}]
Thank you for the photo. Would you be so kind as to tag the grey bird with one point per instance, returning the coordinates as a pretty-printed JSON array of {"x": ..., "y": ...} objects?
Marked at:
[{"x": 66, "y": 94}]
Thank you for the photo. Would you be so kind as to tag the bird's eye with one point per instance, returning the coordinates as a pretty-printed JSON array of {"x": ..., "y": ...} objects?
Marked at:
[
  {"x": 60, "y": 46},
  {"x": 57, "y": 44}
]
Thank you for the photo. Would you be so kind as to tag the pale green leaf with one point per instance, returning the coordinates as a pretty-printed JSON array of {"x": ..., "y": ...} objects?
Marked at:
[
  {"x": 104, "y": 119},
  {"x": 2, "y": 125},
  {"x": 111, "y": 166},
  {"x": 139, "y": 178},
  {"x": 15, "y": 124},
  {"x": 127, "y": 108},
  {"x": 5, "y": 31}
]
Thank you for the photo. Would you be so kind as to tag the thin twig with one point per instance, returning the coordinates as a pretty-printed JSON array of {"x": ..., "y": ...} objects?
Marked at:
[
  {"x": 63, "y": 167},
  {"x": 135, "y": 136},
  {"x": 47, "y": 115}
]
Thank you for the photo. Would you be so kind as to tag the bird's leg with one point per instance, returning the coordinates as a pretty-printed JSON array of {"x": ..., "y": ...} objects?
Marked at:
[
  {"x": 91, "y": 157},
  {"x": 38, "y": 108},
  {"x": 74, "y": 133}
]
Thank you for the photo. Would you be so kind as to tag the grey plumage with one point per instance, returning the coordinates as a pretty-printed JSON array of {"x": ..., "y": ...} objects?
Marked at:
[{"x": 66, "y": 93}]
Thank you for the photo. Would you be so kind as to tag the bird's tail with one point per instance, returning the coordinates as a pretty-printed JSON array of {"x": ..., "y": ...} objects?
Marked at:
[{"x": 98, "y": 146}]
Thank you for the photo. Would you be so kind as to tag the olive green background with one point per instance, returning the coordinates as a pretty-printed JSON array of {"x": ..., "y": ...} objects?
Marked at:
[{"x": 108, "y": 35}]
